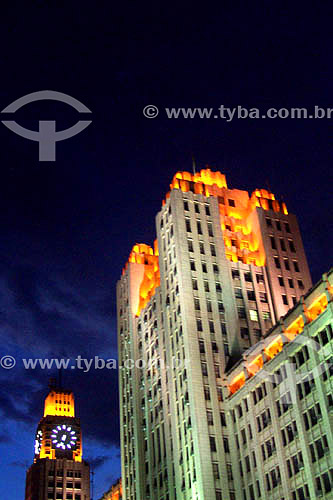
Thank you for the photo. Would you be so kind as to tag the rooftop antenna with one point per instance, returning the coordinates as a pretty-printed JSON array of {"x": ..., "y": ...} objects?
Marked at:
[{"x": 193, "y": 164}]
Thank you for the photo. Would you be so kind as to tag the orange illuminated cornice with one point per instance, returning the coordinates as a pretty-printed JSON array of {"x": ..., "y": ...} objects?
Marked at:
[{"x": 317, "y": 307}]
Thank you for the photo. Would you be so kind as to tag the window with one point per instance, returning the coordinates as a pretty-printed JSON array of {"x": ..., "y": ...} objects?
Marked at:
[
  {"x": 202, "y": 248},
  {"x": 290, "y": 283},
  {"x": 231, "y": 203},
  {"x": 268, "y": 222},
  {"x": 201, "y": 346},
  {"x": 215, "y": 268},
  {"x": 210, "y": 419},
  {"x": 253, "y": 315},
  {"x": 263, "y": 297},
  {"x": 220, "y": 306},
  {"x": 241, "y": 312},
  {"x": 186, "y": 205},
  {"x": 188, "y": 225},
  {"x": 204, "y": 267},
  {"x": 300, "y": 284},
  {"x": 212, "y": 250},
  {"x": 212, "y": 443},
  {"x": 286, "y": 264},
  {"x": 244, "y": 332},
  {"x": 273, "y": 244},
  {"x": 248, "y": 277},
  {"x": 209, "y": 306},
  {"x": 235, "y": 273},
  {"x": 226, "y": 445},
  {"x": 291, "y": 246},
  {"x": 216, "y": 470},
  {"x": 278, "y": 225},
  {"x": 260, "y": 278},
  {"x": 296, "y": 267},
  {"x": 251, "y": 295},
  {"x": 285, "y": 299},
  {"x": 204, "y": 369},
  {"x": 199, "y": 227},
  {"x": 199, "y": 325},
  {"x": 210, "y": 229},
  {"x": 226, "y": 349},
  {"x": 196, "y": 208},
  {"x": 207, "y": 393},
  {"x": 238, "y": 293},
  {"x": 282, "y": 245},
  {"x": 287, "y": 227},
  {"x": 206, "y": 286},
  {"x": 190, "y": 245},
  {"x": 277, "y": 262},
  {"x": 207, "y": 210},
  {"x": 192, "y": 265},
  {"x": 281, "y": 282},
  {"x": 223, "y": 420},
  {"x": 196, "y": 304},
  {"x": 195, "y": 284}
]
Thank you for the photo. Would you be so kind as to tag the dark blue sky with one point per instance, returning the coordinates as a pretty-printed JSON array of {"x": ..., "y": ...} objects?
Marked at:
[{"x": 67, "y": 228}]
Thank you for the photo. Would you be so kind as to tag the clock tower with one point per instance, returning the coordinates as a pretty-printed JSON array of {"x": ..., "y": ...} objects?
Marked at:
[{"x": 58, "y": 471}]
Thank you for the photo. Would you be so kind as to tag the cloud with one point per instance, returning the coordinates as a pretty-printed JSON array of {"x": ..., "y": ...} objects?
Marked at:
[
  {"x": 24, "y": 464},
  {"x": 97, "y": 462}
]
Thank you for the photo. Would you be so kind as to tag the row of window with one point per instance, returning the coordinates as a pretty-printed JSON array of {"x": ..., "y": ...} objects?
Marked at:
[
  {"x": 295, "y": 464},
  {"x": 289, "y": 433},
  {"x": 263, "y": 420},
  {"x": 213, "y": 448},
  {"x": 59, "y": 496},
  {"x": 188, "y": 225},
  {"x": 312, "y": 416},
  {"x": 282, "y": 244},
  {"x": 286, "y": 264},
  {"x": 197, "y": 307},
  {"x": 59, "y": 484},
  {"x": 197, "y": 207},
  {"x": 204, "y": 267},
  {"x": 324, "y": 336},
  {"x": 69, "y": 473},
  {"x": 268, "y": 448},
  {"x": 278, "y": 225},
  {"x": 210, "y": 418},
  {"x": 324, "y": 483}
]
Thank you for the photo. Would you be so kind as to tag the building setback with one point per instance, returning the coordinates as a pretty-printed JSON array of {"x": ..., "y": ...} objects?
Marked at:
[{"x": 224, "y": 268}]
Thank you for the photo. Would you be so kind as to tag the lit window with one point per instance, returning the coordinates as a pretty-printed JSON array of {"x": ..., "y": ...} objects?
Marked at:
[{"x": 253, "y": 315}]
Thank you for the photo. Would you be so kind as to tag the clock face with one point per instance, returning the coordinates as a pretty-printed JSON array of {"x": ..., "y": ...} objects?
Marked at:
[
  {"x": 38, "y": 442},
  {"x": 63, "y": 437}
]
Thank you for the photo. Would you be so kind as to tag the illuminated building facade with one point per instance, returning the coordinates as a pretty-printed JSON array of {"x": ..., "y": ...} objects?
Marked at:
[
  {"x": 114, "y": 493},
  {"x": 279, "y": 408},
  {"x": 58, "y": 471},
  {"x": 224, "y": 268}
]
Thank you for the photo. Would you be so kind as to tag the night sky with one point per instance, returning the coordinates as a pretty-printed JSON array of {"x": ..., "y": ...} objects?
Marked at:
[{"x": 67, "y": 227}]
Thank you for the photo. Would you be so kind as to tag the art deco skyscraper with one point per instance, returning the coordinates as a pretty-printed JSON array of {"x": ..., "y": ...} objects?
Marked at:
[
  {"x": 225, "y": 267},
  {"x": 58, "y": 471}
]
